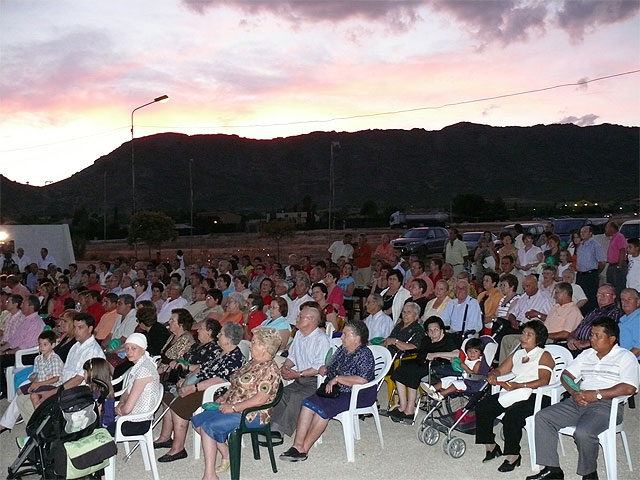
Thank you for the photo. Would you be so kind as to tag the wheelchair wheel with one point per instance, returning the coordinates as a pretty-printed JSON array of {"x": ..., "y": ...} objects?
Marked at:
[
  {"x": 430, "y": 436},
  {"x": 456, "y": 447}
]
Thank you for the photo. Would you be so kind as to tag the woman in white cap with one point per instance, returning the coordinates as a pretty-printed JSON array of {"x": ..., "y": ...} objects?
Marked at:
[{"x": 142, "y": 386}]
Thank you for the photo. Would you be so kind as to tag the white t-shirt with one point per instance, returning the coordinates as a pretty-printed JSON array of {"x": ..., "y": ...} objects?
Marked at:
[
  {"x": 633, "y": 273},
  {"x": 340, "y": 249}
]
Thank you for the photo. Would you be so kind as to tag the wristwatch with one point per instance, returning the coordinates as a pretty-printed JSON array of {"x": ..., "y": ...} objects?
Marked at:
[{"x": 598, "y": 395}]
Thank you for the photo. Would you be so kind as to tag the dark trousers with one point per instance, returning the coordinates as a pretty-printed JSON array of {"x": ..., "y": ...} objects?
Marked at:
[
  {"x": 6, "y": 360},
  {"x": 589, "y": 283},
  {"x": 512, "y": 423},
  {"x": 617, "y": 276}
]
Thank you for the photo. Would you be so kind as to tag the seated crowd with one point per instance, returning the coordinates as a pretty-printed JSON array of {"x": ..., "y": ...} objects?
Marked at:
[{"x": 164, "y": 324}]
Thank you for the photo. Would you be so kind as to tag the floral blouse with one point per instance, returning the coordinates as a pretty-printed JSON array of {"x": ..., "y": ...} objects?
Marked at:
[
  {"x": 199, "y": 354},
  {"x": 221, "y": 366},
  {"x": 177, "y": 347},
  {"x": 251, "y": 379},
  {"x": 360, "y": 362}
]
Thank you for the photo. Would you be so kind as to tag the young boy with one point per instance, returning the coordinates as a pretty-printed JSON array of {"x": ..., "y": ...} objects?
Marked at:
[{"x": 46, "y": 374}]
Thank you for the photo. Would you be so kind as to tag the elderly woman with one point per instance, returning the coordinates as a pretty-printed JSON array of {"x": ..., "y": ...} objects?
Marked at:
[
  {"x": 278, "y": 311},
  {"x": 352, "y": 364},
  {"x": 234, "y": 309},
  {"x": 436, "y": 306},
  {"x": 547, "y": 282},
  {"x": 253, "y": 385},
  {"x": 215, "y": 369},
  {"x": 141, "y": 387},
  {"x": 180, "y": 340},
  {"x": 437, "y": 347},
  {"x": 394, "y": 295},
  {"x": 532, "y": 367}
]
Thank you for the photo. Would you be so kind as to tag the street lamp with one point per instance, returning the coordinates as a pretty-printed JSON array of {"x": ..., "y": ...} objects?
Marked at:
[{"x": 162, "y": 99}]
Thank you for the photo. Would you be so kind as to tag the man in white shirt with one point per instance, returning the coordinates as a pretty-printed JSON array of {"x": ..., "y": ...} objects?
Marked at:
[
  {"x": 533, "y": 304},
  {"x": 21, "y": 259},
  {"x": 342, "y": 248},
  {"x": 45, "y": 259},
  {"x": 301, "y": 291},
  {"x": 378, "y": 322},
  {"x": 578, "y": 297},
  {"x": 633, "y": 262},
  {"x": 606, "y": 371},
  {"x": 173, "y": 301},
  {"x": 126, "y": 322},
  {"x": 84, "y": 349},
  {"x": 463, "y": 312},
  {"x": 455, "y": 252},
  {"x": 307, "y": 354}
]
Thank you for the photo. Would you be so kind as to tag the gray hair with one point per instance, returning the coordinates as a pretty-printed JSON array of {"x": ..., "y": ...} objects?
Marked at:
[
  {"x": 571, "y": 273},
  {"x": 549, "y": 268},
  {"x": 378, "y": 299},
  {"x": 127, "y": 300},
  {"x": 565, "y": 287},
  {"x": 233, "y": 332},
  {"x": 269, "y": 338},
  {"x": 633, "y": 291},
  {"x": 238, "y": 298},
  {"x": 415, "y": 307}
]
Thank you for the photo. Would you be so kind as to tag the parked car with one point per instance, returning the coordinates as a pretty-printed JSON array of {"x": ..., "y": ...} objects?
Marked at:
[
  {"x": 535, "y": 229},
  {"x": 563, "y": 227},
  {"x": 470, "y": 239},
  {"x": 630, "y": 229},
  {"x": 422, "y": 241}
]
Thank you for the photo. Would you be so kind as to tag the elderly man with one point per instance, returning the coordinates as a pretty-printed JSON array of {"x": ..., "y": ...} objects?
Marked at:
[
  {"x": 580, "y": 337},
  {"x": 384, "y": 252},
  {"x": 307, "y": 353},
  {"x": 173, "y": 301},
  {"x": 292, "y": 260},
  {"x": 13, "y": 281},
  {"x": 590, "y": 262},
  {"x": 578, "y": 297},
  {"x": 198, "y": 307},
  {"x": 455, "y": 252},
  {"x": 113, "y": 283},
  {"x": 630, "y": 322},
  {"x": 126, "y": 286},
  {"x": 463, "y": 313},
  {"x": 341, "y": 248},
  {"x": 300, "y": 296},
  {"x": 417, "y": 271},
  {"x": 195, "y": 279},
  {"x": 564, "y": 316},
  {"x": 508, "y": 265},
  {"x": 378, "y": 322},
  {"x": 22, "y": 260},
  {"x": 25, "y": 335},
  {"x": 533, "y": 304},
  {"x": 84, "y": 349},
  {"x": 447, "y": 276},
  {"x": 607, "y": 371}
]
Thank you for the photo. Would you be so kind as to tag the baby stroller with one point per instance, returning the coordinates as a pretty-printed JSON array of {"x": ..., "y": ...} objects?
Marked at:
[
  {"x": 449, "y": 418},
  {"x": 63, "y": 439}
]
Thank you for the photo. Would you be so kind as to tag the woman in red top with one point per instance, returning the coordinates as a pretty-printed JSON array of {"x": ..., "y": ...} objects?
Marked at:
[{"x": 434, "y": 270}]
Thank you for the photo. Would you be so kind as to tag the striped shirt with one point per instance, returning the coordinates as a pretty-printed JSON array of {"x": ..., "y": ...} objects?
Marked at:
[
  {"x": 49, "y": 368},
  {"x": 583, "y": 331}
]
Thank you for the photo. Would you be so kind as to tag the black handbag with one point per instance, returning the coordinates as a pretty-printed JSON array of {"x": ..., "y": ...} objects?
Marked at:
[{"x": 322, "y": 390}]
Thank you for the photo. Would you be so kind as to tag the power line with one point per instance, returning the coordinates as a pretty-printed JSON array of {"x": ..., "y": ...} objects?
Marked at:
[{"x": 348, "y": 117}]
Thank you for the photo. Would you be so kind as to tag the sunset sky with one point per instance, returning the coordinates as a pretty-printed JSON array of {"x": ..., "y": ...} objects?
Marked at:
[{"x": 72, "y": 71}]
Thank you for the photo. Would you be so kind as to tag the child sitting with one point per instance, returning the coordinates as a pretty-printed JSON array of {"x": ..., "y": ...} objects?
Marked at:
[
  {"x": 473, "y": 351},
  {"x": 47, "y": 369},
  {"x": 97, "y": 376}
]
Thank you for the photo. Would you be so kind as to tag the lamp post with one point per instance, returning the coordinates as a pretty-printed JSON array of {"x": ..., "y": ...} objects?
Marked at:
[{"x": 162, "y": 98}]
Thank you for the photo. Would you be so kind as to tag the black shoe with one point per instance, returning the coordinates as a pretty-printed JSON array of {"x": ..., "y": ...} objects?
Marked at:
[
  {"x": 172, "y": 458},
  {"x": 3, "y": 429},
  {"x": 548, "y": 473},
  {"x": 508, "y": 466},
  {"x": 495, "y": 453},
  {"x": 276, "y": 439},
  {"x": 165, "y": 444},
  {"x": 395, "y": 413},
  {"x": 591, "y": 476},
  {"x": 293, "y": 455}
]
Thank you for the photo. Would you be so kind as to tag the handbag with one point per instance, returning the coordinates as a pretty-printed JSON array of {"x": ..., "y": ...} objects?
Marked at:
[{"x": 322, "y": 390}]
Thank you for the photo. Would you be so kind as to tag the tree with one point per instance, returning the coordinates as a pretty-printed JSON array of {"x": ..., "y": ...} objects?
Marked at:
[
  {"x": 277, "y": 230},
  {"x": 152, "y": 228},
  {"x": 469, "y": 206}
]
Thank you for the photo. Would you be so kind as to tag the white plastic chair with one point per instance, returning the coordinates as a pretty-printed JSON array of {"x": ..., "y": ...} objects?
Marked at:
[
  {"x": 329, "y": 329},
  {"x": 607, "y": 438},
  {"x": 209, "y": 394},
  {"x": 146, "y": 440},
  {"x": 562, "y": 357},
  {"x": 349, "y": 419},
  {"x": 11, "y": 371}
]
